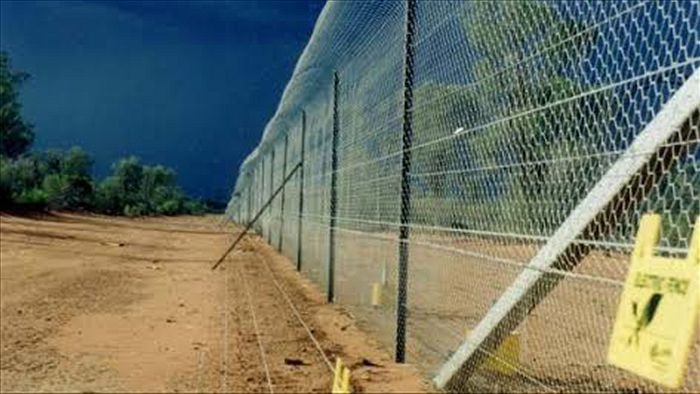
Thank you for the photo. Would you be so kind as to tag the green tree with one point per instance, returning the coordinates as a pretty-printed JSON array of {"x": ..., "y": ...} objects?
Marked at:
[
  {"x": 57, "y": 189},
  {"x": 434, "y": 123},
  {"x": 27, "y": 173},
  {"x": 62, "y": 179},
  {"x": 159, "y": 190},
  {"x": 76, "y": 162},
  {"x": 129, "y": 175},
  {"x": 109, "y": 197},
  {"x": 135, "y": 189},
  {"x": 6, "y": 181},
  {"x": 522, "y": 67},
  {"x": 33, "y": 199},
  {"x": 50, "y": 161},
  {"x": 195, "y": 207},
  {"x": 16, "y": 135},
  {"x": 19, "y": 177}
]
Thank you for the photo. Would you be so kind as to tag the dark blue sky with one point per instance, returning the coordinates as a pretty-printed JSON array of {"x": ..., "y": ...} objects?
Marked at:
[{"x": 187, "y": 84}]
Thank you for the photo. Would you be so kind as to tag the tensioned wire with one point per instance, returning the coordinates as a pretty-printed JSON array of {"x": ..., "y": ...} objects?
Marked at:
[
  {"x": 468, "y": 168},
  {"x": 296, "y": 313},
  {"x": 445, "y": 331},
  {"x": 510, "y": 235},
  {"x": 430, "y": 33},
  {"x": 417, "y": 312},
  {"x": 544, "y": 107},
  {"x": 534, "y": 55},
  {"x": 513, "y": 117},
  {"x": 611, "y": 153},
  {"x": 501, "y": 71},
  {"x": 505, "y": 234},
  {"x": 261, "y": 349},
  {"x": 441, "y": 330},
  {"x": 482, "y": 256},
  {"x": 546, "y": 49},
  {"x": 336, "y": 48}
]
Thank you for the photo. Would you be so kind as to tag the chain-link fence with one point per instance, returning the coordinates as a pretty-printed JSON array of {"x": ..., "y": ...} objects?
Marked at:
[{"x": 484, "y": 166}]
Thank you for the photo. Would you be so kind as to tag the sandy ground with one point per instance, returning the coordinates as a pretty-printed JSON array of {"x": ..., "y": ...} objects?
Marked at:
[
  {"x": 91, "y": 303},
  {"x": 562, "y": 343}
]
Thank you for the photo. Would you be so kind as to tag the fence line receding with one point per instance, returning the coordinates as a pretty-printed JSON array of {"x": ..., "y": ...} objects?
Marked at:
[{"x": 539, "y": 133}]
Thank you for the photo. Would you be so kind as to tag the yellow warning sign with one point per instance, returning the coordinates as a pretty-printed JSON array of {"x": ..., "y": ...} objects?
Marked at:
[{"x": 658, "y": 310}]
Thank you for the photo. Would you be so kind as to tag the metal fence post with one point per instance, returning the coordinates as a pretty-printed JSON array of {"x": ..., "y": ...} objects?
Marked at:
[
  {"x": 402, "y": 295},
  {"x": 248, "y": 205},
  {"x": 284, "y": 173},
  {"x": 301, "y": 189},
  {"x": 253, "y": 190},
  {"x": 334, "y": 193},
  {"x": 270, "y": 217},
  {"x": 262, "y": 187}
]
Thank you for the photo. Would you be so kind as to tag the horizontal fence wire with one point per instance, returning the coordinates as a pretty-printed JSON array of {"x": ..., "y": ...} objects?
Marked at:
[{"x": 519, "y": 110}]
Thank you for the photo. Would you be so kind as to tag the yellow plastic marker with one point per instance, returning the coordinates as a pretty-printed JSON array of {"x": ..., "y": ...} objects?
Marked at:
[
  {"x": 341, "y": 378},
  {"x": 376, "y": 294},
  {"x": 507, "y": 357},
  {"x": 658, "y": 310}
]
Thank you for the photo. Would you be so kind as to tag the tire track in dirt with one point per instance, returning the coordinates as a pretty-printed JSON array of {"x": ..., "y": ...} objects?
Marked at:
[
  {"x": 150, "y": 316},
  {"x": 295, "y": 364}
]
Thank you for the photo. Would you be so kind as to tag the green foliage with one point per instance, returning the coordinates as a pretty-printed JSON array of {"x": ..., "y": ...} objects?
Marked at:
[
  {"x": 56, "y": 188},
  {"x": 109, "y": 198},
  {"x": 129, "y": 173},
  {"x": 135, "y": 189},
  {"x": 676, "y": 198},
  {"x": 62, "y": 180},
  {"x": 196, "y": 207},
  {"x": 487, "y": 156},
  {"x": 76, "y": 162},
  {"x": 18, "y": 177},
  {"x": 444, "y": 115},
  {"x": 135, "y": 210},
  {"x": 32, "y": 199},
  {"x": 16, "y": 135},
  {"x": 66, "y": 179},
  {"x": 65, "y": 191},
  {"x": 59, "y": 180},
  {"x": 6, "y": 181}
]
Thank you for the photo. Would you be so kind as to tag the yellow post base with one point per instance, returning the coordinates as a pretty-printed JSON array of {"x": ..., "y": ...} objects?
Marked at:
[
  {"x": 341, "y": 378},
  {"x": 376, "y": 294},
  {"x": 506, "y": 358}
]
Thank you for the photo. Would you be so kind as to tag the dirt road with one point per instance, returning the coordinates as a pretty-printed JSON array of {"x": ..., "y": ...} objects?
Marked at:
[{"x": 90, "y": 303}]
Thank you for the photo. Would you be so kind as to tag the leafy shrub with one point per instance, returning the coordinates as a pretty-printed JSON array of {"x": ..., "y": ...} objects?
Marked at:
[
  {"x": 16, "y": 135},
  {"x": 31, "y": 199},
  {"x": 68, "y": 191},
  {"x": 59, "y": 179},
  {"x": 135, "y": 210}
]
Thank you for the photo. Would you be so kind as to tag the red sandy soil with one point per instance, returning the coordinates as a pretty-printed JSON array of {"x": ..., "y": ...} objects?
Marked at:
[{"x": 93, "y": 303}]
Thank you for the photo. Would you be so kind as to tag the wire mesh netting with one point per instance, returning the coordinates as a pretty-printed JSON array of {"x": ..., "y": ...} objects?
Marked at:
[{"x": 520, "y": 112}]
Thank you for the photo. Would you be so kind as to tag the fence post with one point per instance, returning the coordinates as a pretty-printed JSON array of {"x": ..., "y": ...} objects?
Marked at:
[
  {"x": 262, "y": 188},
  {"x": 301, "y": 189},
  {"x": 334, "y": 193},
  {"x": 284, "y": 173},
  {"x": 254, "y": 189},
  {"x": 270, "y": 217},
  {"x": 402, "y": 296},
  {"x": 250, "y": 194}
]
